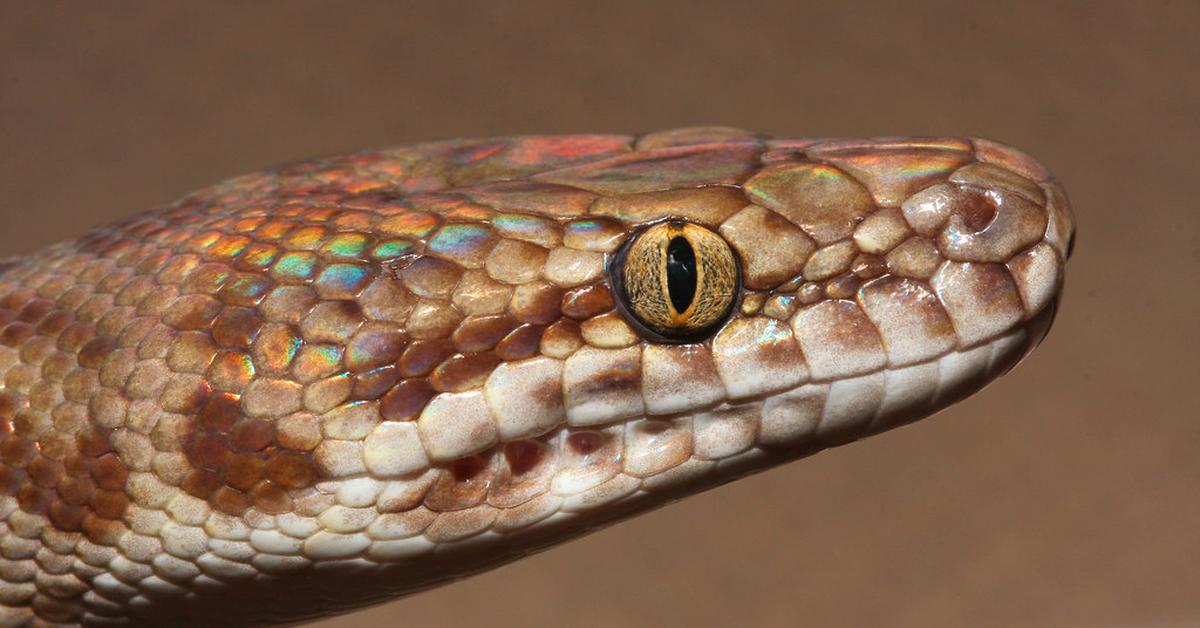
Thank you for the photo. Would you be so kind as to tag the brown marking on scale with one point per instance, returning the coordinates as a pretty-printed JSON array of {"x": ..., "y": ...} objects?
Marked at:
[
  {"x": 868, "y": 266},
  {"x": 463, "y": 372},
  {"x": 35, "y": 310},
  {"x": 587, "y": 301},
  {"x": 299, "y": 432},
  {"x": 405, "y": 501},
  {"x": 230, "y": 501},
  {"x": 430, "y": 277},
  {"x": 16, "y": 298},
  {"x": 72, "y": 478},
  {"x": 292, "y": 470},
  {"x": 45, "y": 472},
  {"x": 838, "y": 339},
  {"x": 852, "y": 331},
  {"x": 271, "y": 498},
  {"x": 332, "y": 321},
  {"x": 220, "y": 412},
  {"x": 17, "y": 451},
  {"x": 375, "y": 345},
  {"x": 460, "y": 524},
  {"x": 514, "y": 261},
  {"x": 206, "y": 279},
  {"x": 536, "y": 302},
  {"x": 422, "y": 356},
  {"x": 993, "y": 287},
  {"x": 678, "y": 371},
  {"x": 464, "y": 484},
  {"x": 35, "y": 500},
  {"x": 77, "y": 489},
  {"x": 584, "y": 443},
  {"x": 548, "y": 394},
  {"x": 528, "y": 466},
  {"x": 236, "y": 327},
  {"x": 201, "y": 483},
  {"x": 521, "y": 343},
  {"x": 192, "y": 312},
  {"x": 918, "y": 298},
  {"x": 231, "y": 454},
  {"x": 290, "y": 304},
  {"x": 843, "y": 286},
  {"x": 251, "y": 435},
  {"x": 209, "y": 450},
  {"x": 916, "y": 257},
  {"x": 16, "y": 333},
  {"x": 67, "y": 517},
  {"x": 245, "y": 471},
  {"x": 374, "y": 383},
  {"x": 909, "y": 317},
  {"x": 523, "y": 455},
  {"x": 101, "y": 531},
  {"x": 772, "y": 248},
  {"x": 622, "y": 378},
  {"x": 55, "y": 324},
  {"x": 406, "y": 400},
  {"x": 478, "y": 334}
]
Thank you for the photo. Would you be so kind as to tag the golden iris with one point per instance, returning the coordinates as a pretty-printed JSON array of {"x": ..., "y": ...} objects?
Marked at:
[{"x": 676, "y": 280}]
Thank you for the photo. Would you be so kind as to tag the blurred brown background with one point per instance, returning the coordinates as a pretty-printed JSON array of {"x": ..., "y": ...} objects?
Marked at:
[{"x": 1067, "y": 494}]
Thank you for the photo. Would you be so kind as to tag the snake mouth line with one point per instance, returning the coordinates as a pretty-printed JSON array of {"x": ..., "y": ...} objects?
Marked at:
[{"x": 570, "y": 472}]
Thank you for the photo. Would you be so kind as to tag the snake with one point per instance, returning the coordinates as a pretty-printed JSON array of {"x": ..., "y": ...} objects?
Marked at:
[{"x": 328, "y": 384}]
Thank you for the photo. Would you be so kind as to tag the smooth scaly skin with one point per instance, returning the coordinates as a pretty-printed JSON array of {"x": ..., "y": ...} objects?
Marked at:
[{"x": 317, "y": 387}]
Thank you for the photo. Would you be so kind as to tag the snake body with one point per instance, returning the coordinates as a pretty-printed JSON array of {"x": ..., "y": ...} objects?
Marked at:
[{"x": 320, "y": 386}]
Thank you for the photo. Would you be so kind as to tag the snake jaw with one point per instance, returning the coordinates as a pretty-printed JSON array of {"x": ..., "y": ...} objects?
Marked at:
[{"x": 315, "y": 387}]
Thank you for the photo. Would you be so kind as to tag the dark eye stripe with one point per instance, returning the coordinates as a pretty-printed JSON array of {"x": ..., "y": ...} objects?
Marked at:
[{"x": 681, "y": 273}]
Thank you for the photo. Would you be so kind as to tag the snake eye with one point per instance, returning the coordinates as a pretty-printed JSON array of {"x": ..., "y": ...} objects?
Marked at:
[{"x": 676, "y": 281}]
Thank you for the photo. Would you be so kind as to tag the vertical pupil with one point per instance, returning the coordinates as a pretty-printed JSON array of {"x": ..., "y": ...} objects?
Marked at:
[{"x": 681, "y": 273}]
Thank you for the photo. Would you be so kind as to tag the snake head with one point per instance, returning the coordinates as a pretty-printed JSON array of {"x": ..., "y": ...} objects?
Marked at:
[
  {"x": 851, "y": 286},
  {"x": 314, "y": 387}
]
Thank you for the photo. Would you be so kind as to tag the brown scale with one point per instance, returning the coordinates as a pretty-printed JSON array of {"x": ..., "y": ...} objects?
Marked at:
[{"x": 524, "y": 471}]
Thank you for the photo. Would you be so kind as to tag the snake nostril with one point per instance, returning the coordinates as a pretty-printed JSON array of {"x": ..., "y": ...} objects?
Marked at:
[{"x": 977, "y": 210}]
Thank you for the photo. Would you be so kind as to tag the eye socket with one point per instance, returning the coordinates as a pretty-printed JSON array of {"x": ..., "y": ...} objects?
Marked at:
[{"x": 676, "y": 281}]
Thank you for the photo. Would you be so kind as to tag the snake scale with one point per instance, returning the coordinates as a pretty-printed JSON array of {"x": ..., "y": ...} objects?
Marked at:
[{"x": 320, "y": 386}]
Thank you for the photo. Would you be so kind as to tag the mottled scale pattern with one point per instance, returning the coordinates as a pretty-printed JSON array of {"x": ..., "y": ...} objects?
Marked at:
[{"x": 310, "y": 388}]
